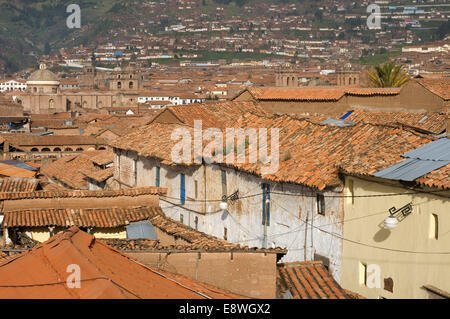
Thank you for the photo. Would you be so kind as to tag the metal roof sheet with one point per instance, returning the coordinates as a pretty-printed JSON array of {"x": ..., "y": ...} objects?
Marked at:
[
  {"x": 337, "y": 122},
  {"x": 438, "y": 150},
  {"x": 419, "y": 162},
  {"x": 410, "y": 169},
  {"x": 19, "y": 164}
]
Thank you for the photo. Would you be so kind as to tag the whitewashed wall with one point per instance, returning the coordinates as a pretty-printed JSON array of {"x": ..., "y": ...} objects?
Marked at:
[{"x": 244, "y": 217}]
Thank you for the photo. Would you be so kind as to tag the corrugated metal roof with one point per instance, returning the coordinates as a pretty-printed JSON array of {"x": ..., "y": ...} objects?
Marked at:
[
  {"x": 419, "y": 162},
  {"x": 435, "y": 151},
  {"x": 19, "y": 164}
]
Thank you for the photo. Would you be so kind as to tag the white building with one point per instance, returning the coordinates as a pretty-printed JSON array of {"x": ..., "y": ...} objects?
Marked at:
[{"x": 12, "y": 85}]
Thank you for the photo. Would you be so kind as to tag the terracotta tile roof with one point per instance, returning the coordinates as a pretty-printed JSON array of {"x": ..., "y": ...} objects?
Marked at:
[
  {"x": 308, "y": 280},
  {"x": 315, "y": 150},
  {"x": 309, "y": 152},
  {"x": 230, "y": 111},
  {"x": 187, "y": 114},
  {"x": 115, "y": 217},
  {"x": 87, "y": 217},
  {"x": 431, "y": 122},
  {"x": 71, "y": 170},
  {"x": 105, "y": 273},
  {"x": 98, "y": 175},
  {"x": 149, "y": 190},
  {"x": 200, "y": 241},
  {"x": 103, "y": 158},
  {"x": 326, "y": 93},
  {"x": 153, "y": 140},
  {"x": 439, "y": 178},
  {"x": 16, "y": 184},
  {"x": 440, "y": 87},
  {"x": 50, "y": 140}
]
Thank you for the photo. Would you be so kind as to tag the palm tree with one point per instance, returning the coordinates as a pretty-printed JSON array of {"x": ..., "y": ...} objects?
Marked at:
[{"x": 387, "y": 75}]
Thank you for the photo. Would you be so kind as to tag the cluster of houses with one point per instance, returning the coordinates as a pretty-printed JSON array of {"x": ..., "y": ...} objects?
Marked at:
[{"x": 323, "y": 192}]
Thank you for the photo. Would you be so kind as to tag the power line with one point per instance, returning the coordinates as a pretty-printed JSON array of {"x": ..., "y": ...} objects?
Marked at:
[
  {"x": 318, "y": 227},
  {"x": 371, "y": 246},
  {"x": 313, "y": 196}
]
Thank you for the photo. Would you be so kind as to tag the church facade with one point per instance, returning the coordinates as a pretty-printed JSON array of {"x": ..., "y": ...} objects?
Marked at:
[{"x": 45, "y": 96}]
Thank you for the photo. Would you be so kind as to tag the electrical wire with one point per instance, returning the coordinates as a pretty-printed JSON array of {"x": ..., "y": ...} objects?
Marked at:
[
  {"x": 313, "y": 196},
  {"x": 318, "y": 227}
]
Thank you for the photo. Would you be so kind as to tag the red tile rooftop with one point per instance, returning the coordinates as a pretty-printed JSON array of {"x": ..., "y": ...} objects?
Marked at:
[
  {"x": 150, "y": 190},
  {"x": 325, "y": 93},
  {"x": 309, "y": 280},
  {"x": 104, "y": 273},
  {"x": 17, "y": 184}
]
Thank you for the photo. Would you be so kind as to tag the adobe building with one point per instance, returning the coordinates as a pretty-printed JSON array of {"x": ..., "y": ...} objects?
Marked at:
[{"x": 418, "y": 95}]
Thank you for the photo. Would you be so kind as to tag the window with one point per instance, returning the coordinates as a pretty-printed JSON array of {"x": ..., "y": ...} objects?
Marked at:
[
  {"x": 225, "y": 233},
  {"x": 362, "y": 273},
  {"x": 130, "y": 85},
  {"x": 181, "y": 218},
  {"x": 323, "y": 259},
  {"x": 434, "y": 226},
  {"x": 119, "y": 85},
  {"x": 266, "y": 205},
  {"x": 158, "y": 176},
  {"x": 320, "y": 204},
  {"x": 224, "y": 183},
  {"x": 196, "y": 222},
  {"x": 182, "y": 189}
]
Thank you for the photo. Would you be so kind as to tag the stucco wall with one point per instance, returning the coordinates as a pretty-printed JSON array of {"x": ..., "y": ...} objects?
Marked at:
[
  {"x": 243, "y": 222},
  {"x": 409, "y": 271},
  {"x": 248, "y": 274}
]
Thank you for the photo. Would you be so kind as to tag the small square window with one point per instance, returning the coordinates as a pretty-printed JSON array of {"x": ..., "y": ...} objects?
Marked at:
[{"x": 320, "y": 204}]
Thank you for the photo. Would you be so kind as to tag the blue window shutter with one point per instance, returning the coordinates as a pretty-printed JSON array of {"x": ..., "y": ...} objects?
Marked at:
[
  {"x": 182, "y": 189},
  {"x": 266, "y": 195},
  {"x": 263, "y": 201},
  {"x": 158, "y": 175}
]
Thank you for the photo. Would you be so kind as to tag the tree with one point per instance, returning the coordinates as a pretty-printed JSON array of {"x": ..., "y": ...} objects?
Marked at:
[{"x": 387, "y": 75}]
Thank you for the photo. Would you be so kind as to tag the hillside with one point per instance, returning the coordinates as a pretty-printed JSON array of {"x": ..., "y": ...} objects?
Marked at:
[{"x": 31, "y": 28}]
